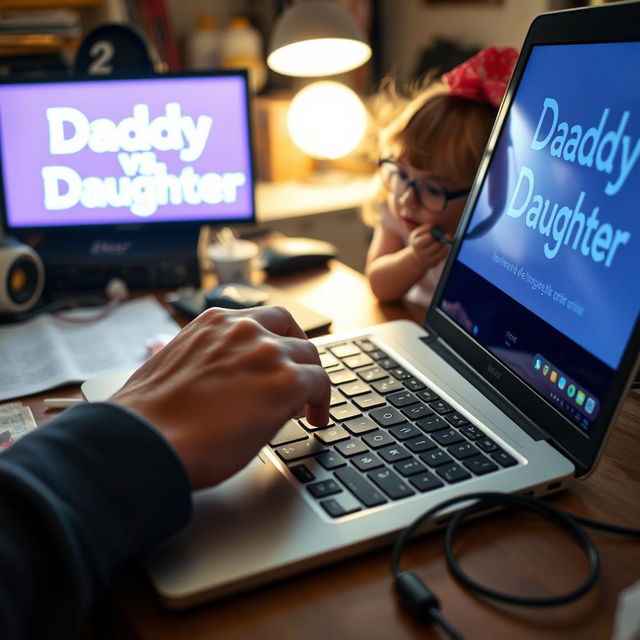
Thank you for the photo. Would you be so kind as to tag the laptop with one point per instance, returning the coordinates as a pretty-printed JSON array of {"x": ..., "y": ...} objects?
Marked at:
[{"x": 527, "y": 351}]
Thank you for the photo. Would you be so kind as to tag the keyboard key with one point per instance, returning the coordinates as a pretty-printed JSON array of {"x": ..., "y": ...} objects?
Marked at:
[
  {"x": 366, "y": 345},
  {"x": 378, "y": 354},
  {"x": 354, "y": 388},
  {"x": 343, "y": 412},
  {"x": 393, "y": 453},
  {"x": 402, "y": 399},
  {"x": 404, "y": 431},
  {"x": 456, "y": 419},
  {"x": 330, "y": 459},
  {"x": 324, "y": 488},
  {"x": 453, "y": 473},
  {"x": 480, "y": 465},
  {"x": 388, "y": 385},
  {"x": 446, "y": 437},
  {"x": 341, "y": 375},
  {"x": 432, "y": 423},
  {"x": 297, "y": 450},
  {"x": 503, "y": 458},
  {"x": 351, "y": 447},
  {"x": 426, "y": 481},
  {"x": 335, "y": 507},
  {"x": 332, "y": 434},
  {"x": 336, "y": 398},
  {"x": 487, "y": 445},
  {"x": 355, "y": 362},
  {"x": 328, "y": 360},
  {"x": 368, "y": 401},
  {"x": 312, "y": 427},
  {"x": 302, "y": 473},
  {"x": 399, "y": 373},
  {"x": 427, "y": 395},
  {"x": 290, "y": 432},
  {"x": 441, "y": 407},
  {"x": 378, "y": 439},
  {"x": 409, "y": 467},
  {"x": 387, "y": 416},
  {"x": 372, "y": 373},
  {"x": 420, "y": 443},
  {"x": 344, "y": 350},
  {"x": 387, "y": 363},
  {"x": 414, "y": 384},
  {"x": 360, "y": 487},
  {"x": 360, "y": 425},
  {"x": 416, "y": 411},
  {"x": 391, "y": 483},
  {"x": 367, "y": 461},
  {"x": 436, "y": 457},
  {"x": 471, "y": 431},
  {"x": 463, "y": 450}
]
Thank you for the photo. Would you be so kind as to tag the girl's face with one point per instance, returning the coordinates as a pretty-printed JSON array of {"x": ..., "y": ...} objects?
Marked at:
[{"x": 433, "y": 184}]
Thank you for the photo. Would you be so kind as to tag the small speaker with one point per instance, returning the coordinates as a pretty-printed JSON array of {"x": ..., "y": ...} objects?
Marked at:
[{"x": 21, "y": 277}]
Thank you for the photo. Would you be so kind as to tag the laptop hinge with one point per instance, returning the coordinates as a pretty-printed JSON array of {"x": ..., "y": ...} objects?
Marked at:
[{"x": 445, "y": 352}]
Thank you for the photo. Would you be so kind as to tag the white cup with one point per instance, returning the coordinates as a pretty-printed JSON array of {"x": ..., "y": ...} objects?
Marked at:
[{"x": 233, "y": 262}]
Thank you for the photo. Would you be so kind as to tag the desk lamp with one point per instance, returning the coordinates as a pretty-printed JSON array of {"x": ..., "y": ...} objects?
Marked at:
[{"x": 314, "y": 38}]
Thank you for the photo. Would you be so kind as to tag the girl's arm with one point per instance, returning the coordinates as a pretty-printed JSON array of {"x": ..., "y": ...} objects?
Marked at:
[{"x": 392, "y": 268}]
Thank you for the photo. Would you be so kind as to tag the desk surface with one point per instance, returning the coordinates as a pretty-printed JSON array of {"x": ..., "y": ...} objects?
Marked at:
[{"x": 354, "y": 599}]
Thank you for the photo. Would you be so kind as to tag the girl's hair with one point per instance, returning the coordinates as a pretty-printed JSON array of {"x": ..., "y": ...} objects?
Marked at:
[{"x": 432, "y": 126}]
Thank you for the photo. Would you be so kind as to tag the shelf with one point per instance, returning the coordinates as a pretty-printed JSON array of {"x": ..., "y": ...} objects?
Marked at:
[{"x": 49, "y": 4}]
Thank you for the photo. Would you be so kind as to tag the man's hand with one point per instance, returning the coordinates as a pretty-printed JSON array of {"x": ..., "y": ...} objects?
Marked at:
[
  {"x": 426, "y": 249},
  {"x": 225, "y": 385}
]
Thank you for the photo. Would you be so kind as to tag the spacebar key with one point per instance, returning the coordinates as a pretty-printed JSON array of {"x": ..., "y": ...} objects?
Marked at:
[{"x": 361, "y": 488}]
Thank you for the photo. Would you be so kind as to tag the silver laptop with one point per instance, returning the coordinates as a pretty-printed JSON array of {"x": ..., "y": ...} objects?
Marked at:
[{"x": 524, "y": 358}]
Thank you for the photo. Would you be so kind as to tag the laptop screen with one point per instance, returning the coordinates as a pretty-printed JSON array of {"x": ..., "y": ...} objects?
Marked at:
[
  {"x": 545, "y": 276},
  {"x": 163, "y": 149}
]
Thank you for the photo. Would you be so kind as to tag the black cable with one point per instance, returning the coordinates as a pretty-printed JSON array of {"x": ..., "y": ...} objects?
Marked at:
[{"x": 424, "y": 604}]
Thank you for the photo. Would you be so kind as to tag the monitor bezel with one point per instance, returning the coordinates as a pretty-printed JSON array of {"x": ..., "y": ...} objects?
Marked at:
[
  {"x": 588, "y": 25},
  {"x": 25, "y": 232}
]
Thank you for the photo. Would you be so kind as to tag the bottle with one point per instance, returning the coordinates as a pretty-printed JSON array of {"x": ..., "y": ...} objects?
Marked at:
[
  {"x": 241, "y": 46},
  {"x": 202, "y": 50}
]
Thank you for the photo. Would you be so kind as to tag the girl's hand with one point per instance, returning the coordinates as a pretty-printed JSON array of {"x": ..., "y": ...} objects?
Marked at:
[{"x": 426, "y": 249}]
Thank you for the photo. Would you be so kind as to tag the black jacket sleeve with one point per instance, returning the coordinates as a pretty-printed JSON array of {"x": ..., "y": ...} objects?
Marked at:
[{"x": 79, "y": 496}]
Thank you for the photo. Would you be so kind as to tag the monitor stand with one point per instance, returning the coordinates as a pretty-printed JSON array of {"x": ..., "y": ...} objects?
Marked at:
[{"x": 144, "y": 258}]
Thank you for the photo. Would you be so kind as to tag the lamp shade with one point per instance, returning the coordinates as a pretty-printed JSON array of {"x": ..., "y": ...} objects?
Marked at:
[{"x": 316, "y": 38}]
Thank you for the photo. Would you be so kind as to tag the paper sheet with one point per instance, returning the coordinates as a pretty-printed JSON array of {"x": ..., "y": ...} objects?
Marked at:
[
  {"x": 16, "y": 420},
  {"x": 47, "y": 351}
]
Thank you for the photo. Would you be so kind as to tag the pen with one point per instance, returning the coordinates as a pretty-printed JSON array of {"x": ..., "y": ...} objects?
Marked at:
[{"x": 61, "y": 403}]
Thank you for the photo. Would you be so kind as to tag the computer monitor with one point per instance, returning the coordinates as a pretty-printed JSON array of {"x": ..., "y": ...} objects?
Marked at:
[{"x": 128, "y": 162}]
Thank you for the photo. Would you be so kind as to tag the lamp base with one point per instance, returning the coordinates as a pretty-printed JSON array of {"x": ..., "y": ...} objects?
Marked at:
[{"x": 326, "y": 174}]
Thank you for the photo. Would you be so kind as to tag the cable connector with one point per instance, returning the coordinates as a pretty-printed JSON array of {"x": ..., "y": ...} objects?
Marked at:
[{"x": 415, "y": 595}]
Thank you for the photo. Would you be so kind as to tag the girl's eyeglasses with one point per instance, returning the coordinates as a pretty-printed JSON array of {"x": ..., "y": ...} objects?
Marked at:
[{"x": 429, "y": 193}]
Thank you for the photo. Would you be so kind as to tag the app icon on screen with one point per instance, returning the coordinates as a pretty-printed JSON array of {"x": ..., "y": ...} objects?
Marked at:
[
  {"x": 571, "y": 390},
  {"x": 589, "y": 405},
  {"x": 580, "y": 396},
  {"x": 562, "y": 383},
  {"x": 545, "y": 369},
  {"x": 537, "y": 364},
  {"x": 554, "y": 376}
]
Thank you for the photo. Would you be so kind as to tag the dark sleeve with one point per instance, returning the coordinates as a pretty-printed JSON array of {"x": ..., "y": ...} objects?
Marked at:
[{"x": 87, "y": 491}]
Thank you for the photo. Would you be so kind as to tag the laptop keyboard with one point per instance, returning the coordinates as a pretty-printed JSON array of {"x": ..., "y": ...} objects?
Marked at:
[{"x": 389, "y": 437}]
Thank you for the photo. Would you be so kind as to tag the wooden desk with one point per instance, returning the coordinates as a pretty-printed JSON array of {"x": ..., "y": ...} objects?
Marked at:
[{"x": 355, "y": 599}]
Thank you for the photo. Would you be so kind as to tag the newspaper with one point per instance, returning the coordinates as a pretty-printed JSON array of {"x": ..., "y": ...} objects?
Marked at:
[{"x": 48, "y": 351}]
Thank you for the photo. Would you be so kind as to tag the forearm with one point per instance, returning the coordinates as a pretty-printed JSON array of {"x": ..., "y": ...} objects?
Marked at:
[
  {"x": 391, "y": 275},
  {"x": 75, "y": 502}
]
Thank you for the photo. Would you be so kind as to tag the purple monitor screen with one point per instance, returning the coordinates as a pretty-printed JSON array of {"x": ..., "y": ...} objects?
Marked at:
[{"x": 160, "y": 149}]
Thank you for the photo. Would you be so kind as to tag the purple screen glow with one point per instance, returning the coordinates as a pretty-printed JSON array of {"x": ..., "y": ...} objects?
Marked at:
[{"x": 98, "y": 152}]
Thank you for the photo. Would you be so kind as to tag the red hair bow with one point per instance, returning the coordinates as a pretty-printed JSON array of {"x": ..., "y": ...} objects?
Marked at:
[{"x": 484, "y": 77}]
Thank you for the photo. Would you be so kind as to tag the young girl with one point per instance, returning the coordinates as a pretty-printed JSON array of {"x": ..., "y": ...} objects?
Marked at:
[{"x": 430, "y": 154}]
